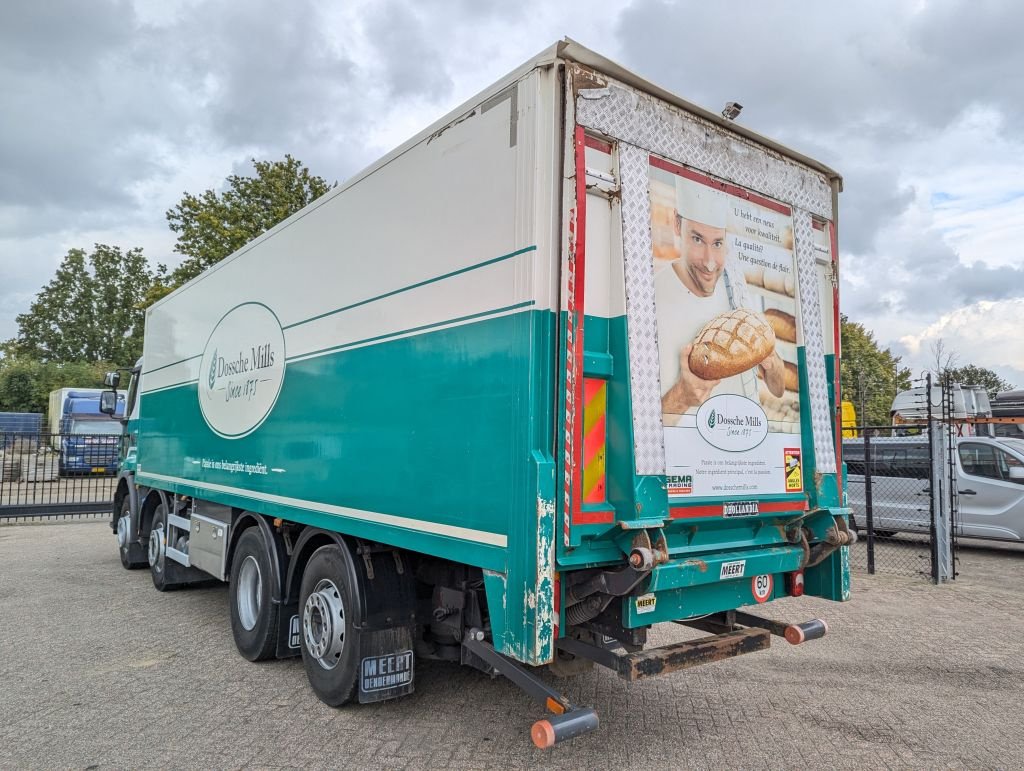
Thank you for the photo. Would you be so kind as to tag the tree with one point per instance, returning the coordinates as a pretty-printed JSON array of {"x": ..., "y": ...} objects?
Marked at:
[
  {"x": 970, "y": 374},
  {"x": 871, "y": 376},
  {"x": 945, "y": 358},
  {"x": 25, "y": 384},
  {"x": 91, "y": 311},
  {"x": 213, "y": 225}
]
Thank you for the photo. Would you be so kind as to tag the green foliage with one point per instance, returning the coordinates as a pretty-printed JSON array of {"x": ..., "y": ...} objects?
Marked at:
[
  {"x": 25, "y": 384},
  {"x": 213, "y": 225},
  {"x": 974, "y": 375},
  {"x": 871, "y": 377},
  {"x": 91, "y": 311}
]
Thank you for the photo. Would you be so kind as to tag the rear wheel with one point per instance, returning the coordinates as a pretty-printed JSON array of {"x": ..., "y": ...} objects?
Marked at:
[
  {"x": 330, "y": 641},
  {"x": 253, "y": 613},
  {"x": 132, "y": 555}
]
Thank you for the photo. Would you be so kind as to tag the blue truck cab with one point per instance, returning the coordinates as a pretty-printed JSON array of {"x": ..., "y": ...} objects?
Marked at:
[{"x": 89, "y": 440}]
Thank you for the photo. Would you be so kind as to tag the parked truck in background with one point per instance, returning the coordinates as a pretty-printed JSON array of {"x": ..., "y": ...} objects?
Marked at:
[
  {"x": 88, "y": 440},
  {"x": 448, "y": 410}
]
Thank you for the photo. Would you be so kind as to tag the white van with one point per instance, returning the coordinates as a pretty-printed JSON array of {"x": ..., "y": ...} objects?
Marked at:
[{"x": 990, "y": 482}]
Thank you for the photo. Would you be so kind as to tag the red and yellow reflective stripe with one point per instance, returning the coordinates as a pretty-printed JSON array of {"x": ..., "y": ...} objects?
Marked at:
[{"x": 595, "y": 439}]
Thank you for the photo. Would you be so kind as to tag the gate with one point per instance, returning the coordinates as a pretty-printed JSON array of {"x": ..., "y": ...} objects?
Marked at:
[
  {"x": 57, "y": 475},
  {"x": 901, "y": 484}
]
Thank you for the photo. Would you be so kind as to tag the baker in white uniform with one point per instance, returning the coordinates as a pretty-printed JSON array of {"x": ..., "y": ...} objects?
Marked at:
[{"x": 689, "y": 293}]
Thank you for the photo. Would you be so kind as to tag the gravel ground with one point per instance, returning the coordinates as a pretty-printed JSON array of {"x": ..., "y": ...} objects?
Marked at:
[{"x": 100, "y": 670}]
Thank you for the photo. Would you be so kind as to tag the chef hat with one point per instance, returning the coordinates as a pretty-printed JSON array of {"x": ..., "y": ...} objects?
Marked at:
[{"x": 701, "y": 203}]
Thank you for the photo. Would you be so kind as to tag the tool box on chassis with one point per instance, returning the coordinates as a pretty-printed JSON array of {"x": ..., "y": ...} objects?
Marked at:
[{"x": 423, "y": 416}]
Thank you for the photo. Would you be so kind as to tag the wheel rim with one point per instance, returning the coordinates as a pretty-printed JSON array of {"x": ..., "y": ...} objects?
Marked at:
[
  {"x": 250, "y": 593},
  {"x": 156, "y": 547},
  {"x": 323, "y": 624},
  {"x": 122, "y": 531}
]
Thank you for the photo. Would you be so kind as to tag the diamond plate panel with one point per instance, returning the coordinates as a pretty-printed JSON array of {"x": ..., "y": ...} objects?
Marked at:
[
  {"x": 650, "y": 123},
  {"x": 814, "y": 342},
  {"x": 641, "y": 319}
]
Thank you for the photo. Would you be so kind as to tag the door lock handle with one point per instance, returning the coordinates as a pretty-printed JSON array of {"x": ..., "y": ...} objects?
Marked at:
[{"x": 968, "y": 492}]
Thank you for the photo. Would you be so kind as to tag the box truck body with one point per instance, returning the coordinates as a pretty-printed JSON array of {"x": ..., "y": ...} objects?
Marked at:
[{"x": 469, "y": 355}]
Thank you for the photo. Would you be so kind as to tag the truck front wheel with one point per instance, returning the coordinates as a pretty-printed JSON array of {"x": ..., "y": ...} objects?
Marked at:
[
  {"x": 330, "y": 643},
  {"x": 158, "y": 550},
  {"x": 253, "y": 613},
  {"x": 132, "y": 555}
]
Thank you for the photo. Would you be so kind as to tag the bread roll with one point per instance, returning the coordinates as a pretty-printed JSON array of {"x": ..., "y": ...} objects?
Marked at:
[
  {"x": 754, "y": 274},
  {"x": 731, "y": 343},
  {"x": 774, "y": 281},
  {"x": 783, "y": 324},
  {"x": 792, "y": 377},
  {"x": 789, "y": 286}
]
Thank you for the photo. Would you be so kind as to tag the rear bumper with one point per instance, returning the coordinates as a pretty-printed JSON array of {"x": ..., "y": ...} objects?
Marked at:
[
  {"x": 695, "y": 586},
  {"x": 674, "y": 657}
]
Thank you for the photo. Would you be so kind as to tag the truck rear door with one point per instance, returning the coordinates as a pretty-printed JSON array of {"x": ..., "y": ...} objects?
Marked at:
[{"x": 698, "y": 345}]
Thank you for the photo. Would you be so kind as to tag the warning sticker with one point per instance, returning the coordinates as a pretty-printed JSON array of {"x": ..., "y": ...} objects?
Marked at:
[
  {"x": 762, "y": 587},
  {"x": 794, "y": 470},
  {"x": 646, "y": 603}
]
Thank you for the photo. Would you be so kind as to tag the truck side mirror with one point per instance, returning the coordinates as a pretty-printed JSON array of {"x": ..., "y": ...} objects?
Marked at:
[
  {"x": 108, "y": 402},
  {"x": 1017, "y": 474},
  {"x": 112, "y": 379}
]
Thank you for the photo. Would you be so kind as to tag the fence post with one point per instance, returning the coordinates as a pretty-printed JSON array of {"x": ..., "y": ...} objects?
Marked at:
[{"x": 869, "y": 515}]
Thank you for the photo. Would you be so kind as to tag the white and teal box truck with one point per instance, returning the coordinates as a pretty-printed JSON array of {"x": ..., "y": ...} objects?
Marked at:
[{"x": 559, "y": 368}]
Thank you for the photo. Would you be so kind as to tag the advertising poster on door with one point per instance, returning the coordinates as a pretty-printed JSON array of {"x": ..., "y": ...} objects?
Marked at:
[{"x": 725, "y": 293}]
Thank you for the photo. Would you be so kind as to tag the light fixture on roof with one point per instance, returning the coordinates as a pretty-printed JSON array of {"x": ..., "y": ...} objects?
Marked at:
[{"x": 731, "y": 110}]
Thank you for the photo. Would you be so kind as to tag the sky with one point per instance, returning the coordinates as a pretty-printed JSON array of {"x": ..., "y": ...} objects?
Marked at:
[{"x": 113, "y": 109}]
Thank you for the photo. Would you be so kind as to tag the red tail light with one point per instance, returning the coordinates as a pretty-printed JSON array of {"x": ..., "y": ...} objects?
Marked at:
[{"x": 795, "y": 583}]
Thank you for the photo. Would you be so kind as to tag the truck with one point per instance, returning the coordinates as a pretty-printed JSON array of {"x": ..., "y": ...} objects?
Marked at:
[
  {"x": 87, "y": 440},
  {"x": 451, "y": 410}
]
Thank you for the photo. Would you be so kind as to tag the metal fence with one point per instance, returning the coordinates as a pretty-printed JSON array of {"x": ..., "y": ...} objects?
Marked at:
[
  {"x": 901, "y": 486},
  {"x": 57, "y": 475}
]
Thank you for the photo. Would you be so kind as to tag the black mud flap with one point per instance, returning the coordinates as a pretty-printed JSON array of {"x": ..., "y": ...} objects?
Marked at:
[
  {"x": 289, "y": 631},
  {"x": 386, "y": 664}
]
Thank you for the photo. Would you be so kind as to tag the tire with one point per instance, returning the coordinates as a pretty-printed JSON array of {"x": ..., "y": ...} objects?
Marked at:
[
  {"x": 326, "y": 594},
  {"x": 156, "y": 550},
  {"x": 253, "y": 614},
  {"x": 132, "y": 555}
]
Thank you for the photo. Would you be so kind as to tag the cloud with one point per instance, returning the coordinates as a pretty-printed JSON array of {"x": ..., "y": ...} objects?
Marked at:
[{"x": 986, "y": 334}]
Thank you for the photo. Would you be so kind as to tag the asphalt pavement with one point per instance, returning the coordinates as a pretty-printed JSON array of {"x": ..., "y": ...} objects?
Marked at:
[{"x": 99, "y": 670}]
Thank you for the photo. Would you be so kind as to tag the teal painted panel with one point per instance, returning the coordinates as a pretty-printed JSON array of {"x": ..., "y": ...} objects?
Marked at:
[
  {"x": 424, "y": 427},
  {"x": 698, "y": 600}
]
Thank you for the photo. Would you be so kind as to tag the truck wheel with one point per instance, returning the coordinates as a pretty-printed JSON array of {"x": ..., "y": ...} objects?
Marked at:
[
  {"x": 253, "y": 614},
  {"x": 330, "y": 640},
  {"x": 132, "y": 556},
  {"x": 158, "y": 549}
]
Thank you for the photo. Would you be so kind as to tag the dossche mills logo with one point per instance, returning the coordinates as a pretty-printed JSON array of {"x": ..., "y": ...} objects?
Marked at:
[
  {"x": 241, "y": 388},
  {"x": 732, "y": 423}
]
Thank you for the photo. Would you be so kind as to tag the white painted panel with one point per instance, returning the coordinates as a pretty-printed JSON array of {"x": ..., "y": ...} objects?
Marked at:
[{"x": 450, "y": 202}]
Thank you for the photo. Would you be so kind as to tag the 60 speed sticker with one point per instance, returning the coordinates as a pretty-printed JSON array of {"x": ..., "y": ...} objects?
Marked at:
[{"x": 762, "y": 587}]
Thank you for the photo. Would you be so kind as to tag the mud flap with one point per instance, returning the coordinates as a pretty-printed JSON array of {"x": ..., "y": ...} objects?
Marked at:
[
  {"x": 289, "y": 631},
  {"x": 386, "y": 664}
]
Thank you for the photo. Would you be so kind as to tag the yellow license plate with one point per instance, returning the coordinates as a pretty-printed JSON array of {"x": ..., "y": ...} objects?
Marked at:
[{"x": 99, "y": 470}]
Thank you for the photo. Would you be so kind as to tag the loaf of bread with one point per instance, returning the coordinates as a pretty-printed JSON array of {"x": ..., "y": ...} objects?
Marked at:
[
  {"x": 731, "y": 343},
  {"x": 783, "y": 324},
  {"x": 792, "y": 377}
]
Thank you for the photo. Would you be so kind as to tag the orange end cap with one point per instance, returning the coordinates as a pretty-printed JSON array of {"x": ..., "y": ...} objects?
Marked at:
[
  {"x": 543, "y": 734},
  {"x": 794, "y": 635}
]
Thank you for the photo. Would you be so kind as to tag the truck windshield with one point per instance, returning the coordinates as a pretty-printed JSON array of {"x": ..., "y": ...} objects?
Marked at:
[{"x": 104, "y": 427}]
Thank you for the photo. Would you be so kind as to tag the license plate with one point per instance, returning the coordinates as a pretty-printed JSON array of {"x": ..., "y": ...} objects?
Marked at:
[
  {"x": 99, "y": 470},
  {"x": 740, "y": 509}
]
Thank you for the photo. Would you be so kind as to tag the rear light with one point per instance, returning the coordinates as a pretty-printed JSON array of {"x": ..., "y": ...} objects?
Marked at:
[{"x": 795, "y": 583}]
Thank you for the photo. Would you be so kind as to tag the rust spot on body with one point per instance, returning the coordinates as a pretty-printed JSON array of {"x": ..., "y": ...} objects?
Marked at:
[{"x": 701, "y": 565}]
